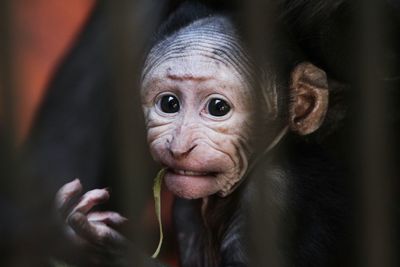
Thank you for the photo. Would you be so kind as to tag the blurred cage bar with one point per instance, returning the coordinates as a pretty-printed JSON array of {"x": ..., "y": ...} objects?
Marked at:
[
  {"x": 128, "y": 37},
  {"x": 259, "y": 27},
  {"x": 370, "y": 142},
  {"x": 374, "y": 149}
]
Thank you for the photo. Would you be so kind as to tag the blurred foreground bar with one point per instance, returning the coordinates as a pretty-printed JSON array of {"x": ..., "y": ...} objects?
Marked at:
[
  {"x": 260, "y": 16},
  {"x": 131, "y": 24},
  {"x": 374, "y": 142}
]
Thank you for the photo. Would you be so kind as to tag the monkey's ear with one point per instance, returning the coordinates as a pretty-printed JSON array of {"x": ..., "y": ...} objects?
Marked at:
[{"x": 309, "y": 98}]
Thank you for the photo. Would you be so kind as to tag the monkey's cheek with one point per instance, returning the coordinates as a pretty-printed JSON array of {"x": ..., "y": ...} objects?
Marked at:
[{"x": 191, "y": 187}]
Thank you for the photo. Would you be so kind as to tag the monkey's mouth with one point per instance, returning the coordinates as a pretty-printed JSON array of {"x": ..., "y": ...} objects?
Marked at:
[
  {"x": 191, "y": 182},
  {"x": 191, "y": 173}
]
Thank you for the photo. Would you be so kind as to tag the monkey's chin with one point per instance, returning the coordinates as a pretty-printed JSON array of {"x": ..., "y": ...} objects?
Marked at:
[{"x": 191, "y": 185}]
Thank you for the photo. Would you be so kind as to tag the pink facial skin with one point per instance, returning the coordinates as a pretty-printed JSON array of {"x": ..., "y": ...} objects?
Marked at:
[{"x": 204, "y": 154}]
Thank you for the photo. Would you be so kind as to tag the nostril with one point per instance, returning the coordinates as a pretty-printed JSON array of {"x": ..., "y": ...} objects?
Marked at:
[
  {"x": 190, "y": 150},
  {"x": 181, "y": 153}
]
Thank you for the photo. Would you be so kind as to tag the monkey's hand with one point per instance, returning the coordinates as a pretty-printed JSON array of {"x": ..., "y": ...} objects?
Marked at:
[{"x": 93, "y": 231}]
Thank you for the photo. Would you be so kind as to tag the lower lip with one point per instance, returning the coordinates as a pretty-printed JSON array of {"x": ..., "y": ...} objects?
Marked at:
[{"x": 191, "y": 186}]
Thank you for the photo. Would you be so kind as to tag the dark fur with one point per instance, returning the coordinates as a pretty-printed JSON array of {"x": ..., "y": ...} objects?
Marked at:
[{"x": 329, "y": 33}]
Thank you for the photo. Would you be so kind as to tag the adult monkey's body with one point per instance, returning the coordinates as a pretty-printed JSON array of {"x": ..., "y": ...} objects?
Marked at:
[{"x": 203, "y": 112}]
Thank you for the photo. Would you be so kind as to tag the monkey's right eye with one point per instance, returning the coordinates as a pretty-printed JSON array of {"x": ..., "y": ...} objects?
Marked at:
[{"x": 169, "y": 104}]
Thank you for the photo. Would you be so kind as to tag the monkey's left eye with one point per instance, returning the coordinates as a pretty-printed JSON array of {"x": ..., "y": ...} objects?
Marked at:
[{"x": 218, "y": 107}]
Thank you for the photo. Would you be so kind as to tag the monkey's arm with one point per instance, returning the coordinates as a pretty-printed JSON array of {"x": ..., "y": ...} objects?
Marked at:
[
  {"x": 234, "y": 255},
  {"x": 188, "y": 223},
  {"x": 233, "y": 248}
]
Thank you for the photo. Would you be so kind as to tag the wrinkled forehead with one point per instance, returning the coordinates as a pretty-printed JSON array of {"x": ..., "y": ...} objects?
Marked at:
[{"x": 205, "y": 41}]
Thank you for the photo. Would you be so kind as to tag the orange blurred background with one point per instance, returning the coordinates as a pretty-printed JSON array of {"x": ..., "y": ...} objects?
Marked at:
[{"x": 43, "y": 30}]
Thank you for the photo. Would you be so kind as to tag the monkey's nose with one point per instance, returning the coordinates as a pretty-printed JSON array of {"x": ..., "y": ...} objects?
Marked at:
[{"x": 181, "y": 152}]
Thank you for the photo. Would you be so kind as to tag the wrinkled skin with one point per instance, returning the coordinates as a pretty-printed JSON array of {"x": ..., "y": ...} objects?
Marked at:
[{"x": 211, "y": 150}]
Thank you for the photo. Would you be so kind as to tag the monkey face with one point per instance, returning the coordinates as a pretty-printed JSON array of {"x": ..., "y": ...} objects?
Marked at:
[
  {"x": 199, "y": 107},
  {"x": 198, "y": 114}
]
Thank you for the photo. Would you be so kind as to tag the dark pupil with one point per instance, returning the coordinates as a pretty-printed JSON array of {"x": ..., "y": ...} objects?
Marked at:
[
  {"x": 169, "y": 104},
  {"x": 218, "y": 107}
]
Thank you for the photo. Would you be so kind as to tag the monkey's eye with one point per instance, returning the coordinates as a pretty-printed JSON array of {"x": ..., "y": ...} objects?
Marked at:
[
  {"x": 218, "y": 107},
  {"x": 169, "y": 104}
]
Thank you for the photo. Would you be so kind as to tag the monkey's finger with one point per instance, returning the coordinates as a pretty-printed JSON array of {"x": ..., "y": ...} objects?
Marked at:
[
  {"x": 107, "y": 217},
  {"x": 113, "y": 219},
  {"x": 91, "y": 199},
  {"x": 67, "y": 196},
  {"x": 95, "y": 232}
]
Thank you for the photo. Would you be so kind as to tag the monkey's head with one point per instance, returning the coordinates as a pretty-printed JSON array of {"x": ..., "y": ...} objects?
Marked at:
[{"x": 200, "y": 106}]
